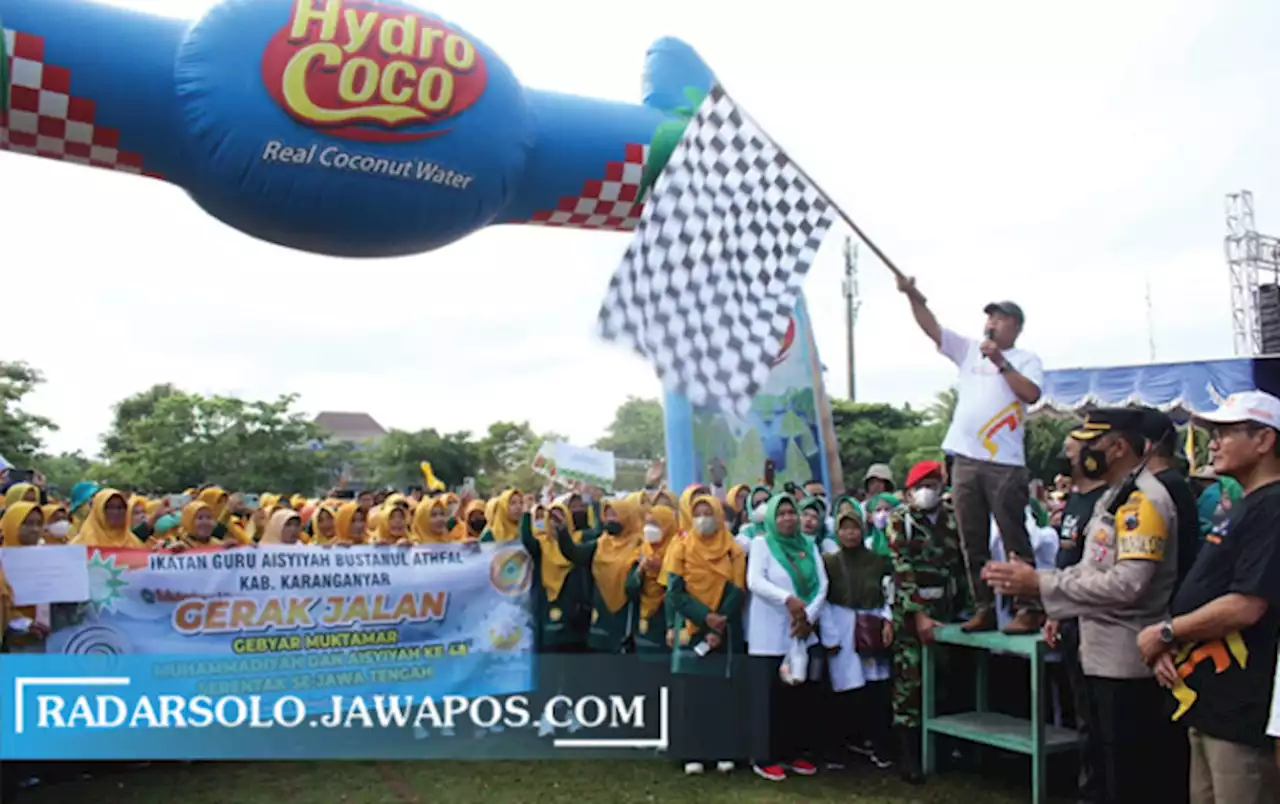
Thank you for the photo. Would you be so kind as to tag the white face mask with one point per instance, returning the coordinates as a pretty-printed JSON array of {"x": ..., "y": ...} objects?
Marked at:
[
  {"x": 652, "y": 534},
  {"x": 59, "y": 529},
  {"x": 705, "y": 525},
  {"x": 880, "y": 519},
  {"x": 925, "y": 498},
  {"x": 757, "y": 516}
]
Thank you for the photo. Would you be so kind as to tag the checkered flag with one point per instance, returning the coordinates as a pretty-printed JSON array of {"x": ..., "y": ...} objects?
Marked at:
[{"x": 708, "y": 285}]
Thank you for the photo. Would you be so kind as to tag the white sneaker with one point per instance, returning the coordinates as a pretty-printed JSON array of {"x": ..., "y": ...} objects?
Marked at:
[
  {"x": 724, "y": 766},
  {"x": 693, "y": 769}
]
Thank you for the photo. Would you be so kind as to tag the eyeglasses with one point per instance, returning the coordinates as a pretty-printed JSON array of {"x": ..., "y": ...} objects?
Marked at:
[{"x": 1220, "y": 431}]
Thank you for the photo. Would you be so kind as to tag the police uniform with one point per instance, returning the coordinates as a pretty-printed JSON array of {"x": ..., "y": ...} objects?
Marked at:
[
  {"x": 1122, "y": 584},
  {"x": 928, "y": 567}
]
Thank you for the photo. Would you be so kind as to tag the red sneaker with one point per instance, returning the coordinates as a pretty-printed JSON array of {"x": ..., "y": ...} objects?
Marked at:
[
  {"x": 803, "y": 767},
  {"x": 774, "y": 773}
]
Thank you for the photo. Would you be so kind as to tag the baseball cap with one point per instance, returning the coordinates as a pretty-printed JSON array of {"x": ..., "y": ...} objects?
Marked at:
[
  {"x": 1008, "y": 308},
  {"x": 1258, "y": 407},
  {"x": 1109, "y": 420}
]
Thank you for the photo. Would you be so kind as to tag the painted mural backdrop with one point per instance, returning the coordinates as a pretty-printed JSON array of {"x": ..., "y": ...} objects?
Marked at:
[{"x": 789, "y": 422}]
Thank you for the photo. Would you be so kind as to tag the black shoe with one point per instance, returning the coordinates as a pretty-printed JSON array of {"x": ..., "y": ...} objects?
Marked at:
[{"x": 909, "y": 755}]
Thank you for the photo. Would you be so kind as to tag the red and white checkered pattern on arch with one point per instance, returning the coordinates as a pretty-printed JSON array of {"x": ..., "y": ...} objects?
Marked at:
[
  {"x": 609, "y": 203},
  {"x": 45, "y": 119}
]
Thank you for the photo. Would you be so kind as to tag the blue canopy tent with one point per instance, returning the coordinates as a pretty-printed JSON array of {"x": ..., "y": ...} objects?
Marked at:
[{"x": 1180, "y": 389}]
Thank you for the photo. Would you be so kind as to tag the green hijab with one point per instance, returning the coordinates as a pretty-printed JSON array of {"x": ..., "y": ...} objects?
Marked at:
[
  {"x": 879, "y": 541},
  {"x": 855, "y": 575},
  {"x": 821, "y": 535},
  {"x": 796, "y": 553}
]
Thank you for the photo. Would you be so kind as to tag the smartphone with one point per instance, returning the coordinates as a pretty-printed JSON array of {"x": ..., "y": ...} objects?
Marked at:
[
  {"x": 768, "y": 473},
  {"x": 179, "y": 501},
  {"x": 250, "y": 501}
]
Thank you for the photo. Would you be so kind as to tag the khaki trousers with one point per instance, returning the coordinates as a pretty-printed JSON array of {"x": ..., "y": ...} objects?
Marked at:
[{"x": 1224, "y": 772}]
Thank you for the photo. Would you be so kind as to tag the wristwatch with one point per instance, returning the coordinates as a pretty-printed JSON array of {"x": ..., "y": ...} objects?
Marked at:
[
  {"x": 1005, "y": 367},
  {"x": 1166, "y": 632}
]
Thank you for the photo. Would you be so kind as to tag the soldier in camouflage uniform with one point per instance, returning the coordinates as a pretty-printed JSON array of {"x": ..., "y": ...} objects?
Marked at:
[{"x": 928, "y": 566}]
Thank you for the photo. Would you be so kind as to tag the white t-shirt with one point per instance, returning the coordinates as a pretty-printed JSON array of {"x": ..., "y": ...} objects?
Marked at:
[
  {"x": 989, "y": 422},
  {"x": 1273, "y": 729}
]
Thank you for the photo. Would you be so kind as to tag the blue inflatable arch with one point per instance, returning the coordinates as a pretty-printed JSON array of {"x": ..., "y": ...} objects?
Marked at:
[{"x": 350, "y": 128}]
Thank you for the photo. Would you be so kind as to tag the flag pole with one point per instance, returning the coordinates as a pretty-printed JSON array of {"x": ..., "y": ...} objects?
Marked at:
[{"x": 844, "y": 216}]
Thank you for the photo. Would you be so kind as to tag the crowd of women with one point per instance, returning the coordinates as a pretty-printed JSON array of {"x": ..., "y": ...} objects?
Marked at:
[{"x": 711, "y": 586}]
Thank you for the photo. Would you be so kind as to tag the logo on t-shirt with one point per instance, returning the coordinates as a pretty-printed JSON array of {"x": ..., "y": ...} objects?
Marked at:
[{"x": 1008, "y": 418}]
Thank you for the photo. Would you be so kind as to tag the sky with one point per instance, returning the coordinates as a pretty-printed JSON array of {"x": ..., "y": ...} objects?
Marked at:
[{"x": 1063, "y": 157}]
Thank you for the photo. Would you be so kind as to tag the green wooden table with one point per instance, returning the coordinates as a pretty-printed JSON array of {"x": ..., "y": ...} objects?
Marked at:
[{"x": 1033, "y": 737}]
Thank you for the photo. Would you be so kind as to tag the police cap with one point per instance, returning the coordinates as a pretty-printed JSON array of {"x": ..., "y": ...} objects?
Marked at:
[{"x": 1110, "y": 420}]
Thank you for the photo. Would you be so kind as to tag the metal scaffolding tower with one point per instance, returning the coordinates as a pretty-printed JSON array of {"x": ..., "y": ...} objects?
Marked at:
[
  {"x": 852, "y": 301},
  {"x": 1254, "y": 262}
]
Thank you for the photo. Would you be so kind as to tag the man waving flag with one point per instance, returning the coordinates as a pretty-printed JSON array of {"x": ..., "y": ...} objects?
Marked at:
[{"x": 708, "y": 285}]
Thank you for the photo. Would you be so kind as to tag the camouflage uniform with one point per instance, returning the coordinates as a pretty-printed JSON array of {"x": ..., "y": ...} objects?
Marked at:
[{"x": 928, "y": 570}]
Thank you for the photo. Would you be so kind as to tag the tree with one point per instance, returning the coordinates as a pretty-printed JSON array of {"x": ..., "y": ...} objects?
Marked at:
[
  {"x": 507, "y": 453},
  {"x": 175, "y": 440},
  {"x": 131, "y": 409},
  {"x": 870, "y": 433},
  {"x": 638, "y": 431},
  {"x": 20, "y": 431},
  {"x": 64, "y": 470},
  {"x": 396, "y": 459}
]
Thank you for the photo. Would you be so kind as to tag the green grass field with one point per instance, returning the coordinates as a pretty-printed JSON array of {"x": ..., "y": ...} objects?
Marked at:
[{"x": 617, "y": 782}]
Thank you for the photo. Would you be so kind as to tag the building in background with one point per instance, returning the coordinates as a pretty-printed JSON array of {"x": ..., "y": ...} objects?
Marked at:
[{"x": 360, "y": 430}]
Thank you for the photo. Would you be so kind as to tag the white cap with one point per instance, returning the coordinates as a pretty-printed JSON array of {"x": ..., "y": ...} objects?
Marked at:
[{"x": 1248, "y": 406}]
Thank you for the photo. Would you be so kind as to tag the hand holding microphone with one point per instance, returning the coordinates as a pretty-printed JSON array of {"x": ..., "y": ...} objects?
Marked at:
[{"x": 990, "y": 350}]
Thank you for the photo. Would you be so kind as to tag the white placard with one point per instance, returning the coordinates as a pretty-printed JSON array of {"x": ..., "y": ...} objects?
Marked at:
[{"x": 47, "y": 574}]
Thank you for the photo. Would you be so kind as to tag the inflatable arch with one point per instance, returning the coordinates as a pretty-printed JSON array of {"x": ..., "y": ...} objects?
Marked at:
[{"x": 374, "y": 129}]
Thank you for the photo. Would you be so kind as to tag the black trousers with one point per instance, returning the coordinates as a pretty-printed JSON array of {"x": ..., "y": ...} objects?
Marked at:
[
  {"x": 785, "y": 726},
  {"x": 711, "y": 724},
  {"x": 1089, "y": 780},
  {"x": 1131, "y": 742}
]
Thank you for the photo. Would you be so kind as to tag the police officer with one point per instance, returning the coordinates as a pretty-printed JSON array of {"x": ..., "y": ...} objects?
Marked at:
[
  {"x": 927, "y": 566},
  {"x": 1121, "y": 585}
]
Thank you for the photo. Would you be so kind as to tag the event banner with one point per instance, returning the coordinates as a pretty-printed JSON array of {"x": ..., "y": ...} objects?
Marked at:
[
  {"x": 326, "y": 653},
  {"x": 315, "y": 620}
]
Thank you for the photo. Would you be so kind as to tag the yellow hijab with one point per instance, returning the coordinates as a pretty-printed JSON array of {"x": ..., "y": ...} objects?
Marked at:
[
  {"x": 8, "y": 611},
  {"x": 216, "y": 498},
  {"x": 298, "y": 501},
  {"x": 616, "y": 555},
  {"x": 500, "y": 523},
  {"x": 686, "y": 507},
  {"x": 707, "y": 563},
  {"x": 555, "y": 565},
  {"x": 653, "y": 588},
  {"x": 10, "y": 524},
  {"x": 96, "y": 533},
  {"x": 732, "y": 496},
  {"x": 421, "y": 532},
  {"x": 274, "y": 533},
  {"x": 326, "y": 507},
  {"x": 187, "y": 525},
  {"x": 18, "y": 493},
  {"x": 461, "y": 532},
  {"x": 48, "y": 511},
  {"x": 342, "y": 524}
]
